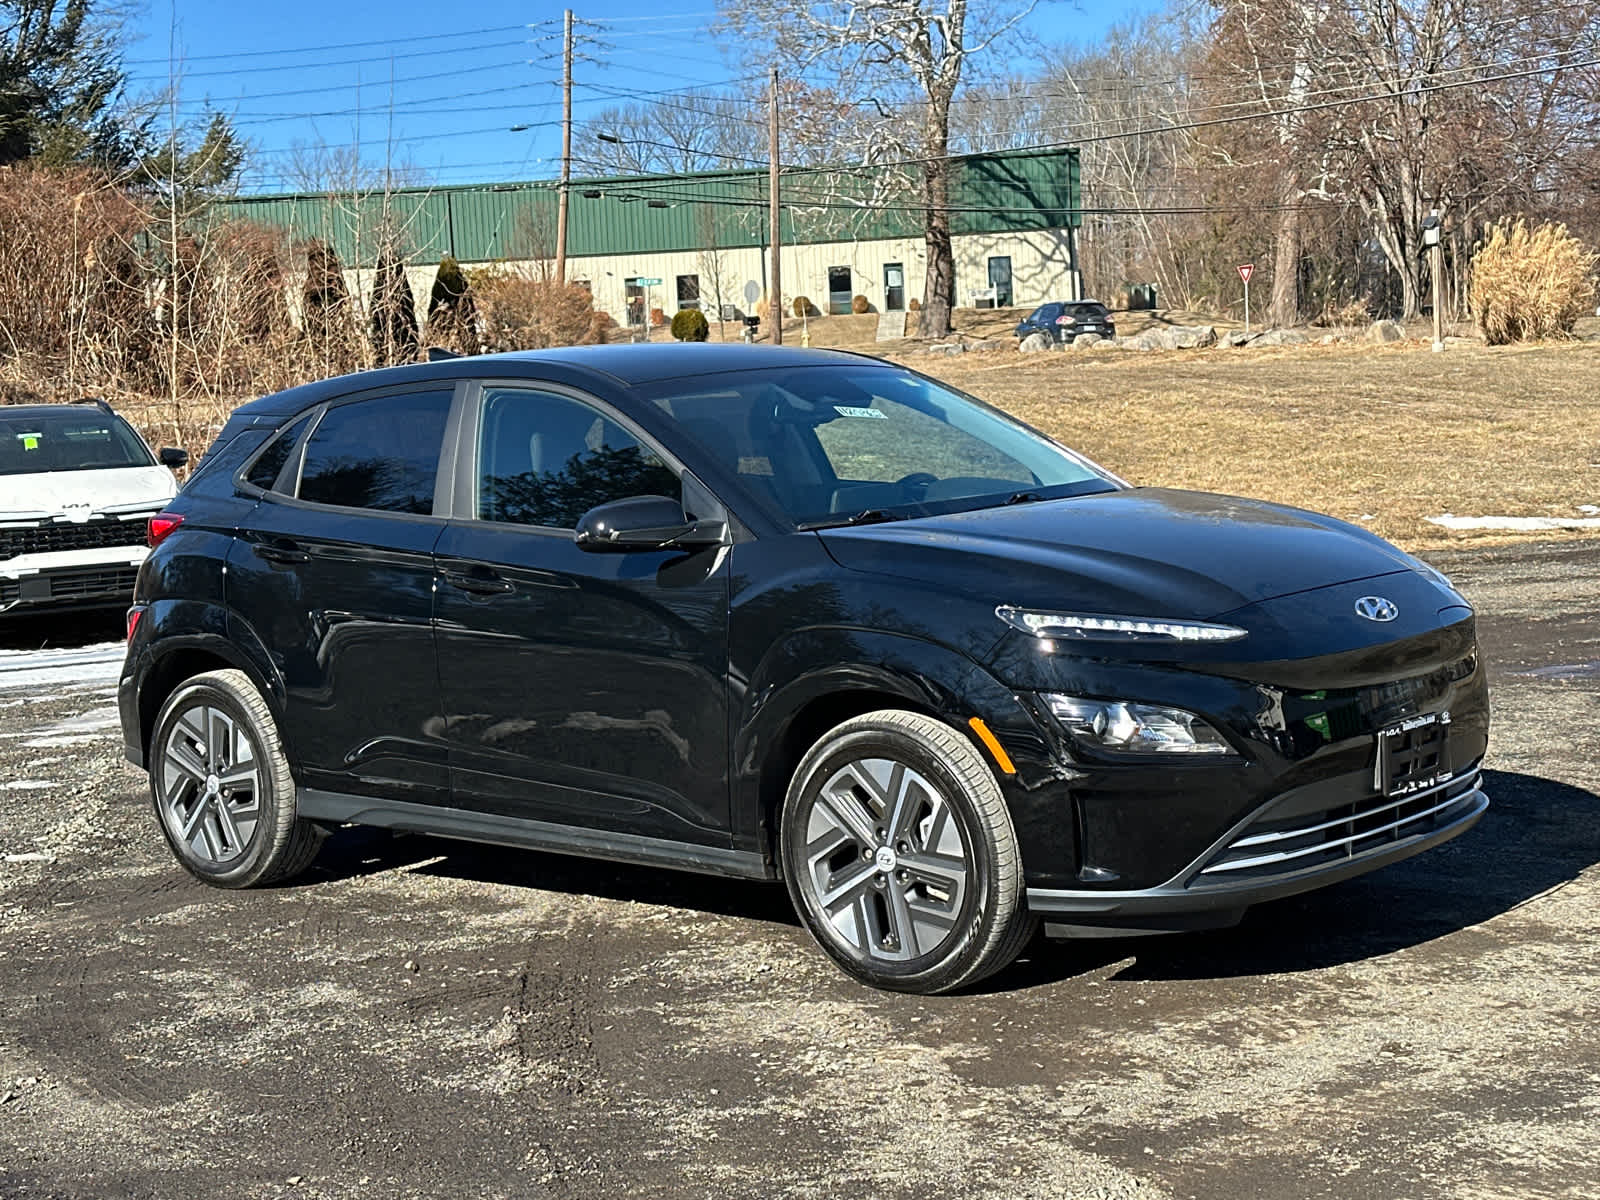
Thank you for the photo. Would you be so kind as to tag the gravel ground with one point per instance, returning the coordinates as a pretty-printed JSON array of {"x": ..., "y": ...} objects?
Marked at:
[{"x": 424, "y": 1018}]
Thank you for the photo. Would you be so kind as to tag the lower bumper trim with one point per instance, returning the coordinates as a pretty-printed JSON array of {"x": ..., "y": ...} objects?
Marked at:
[{"x": 1130, "y": 910}]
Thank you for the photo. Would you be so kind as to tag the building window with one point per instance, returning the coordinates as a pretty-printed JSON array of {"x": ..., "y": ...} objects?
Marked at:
[
  {"x": 688, "y": 291},
  {"x": 838, "y": 290}
]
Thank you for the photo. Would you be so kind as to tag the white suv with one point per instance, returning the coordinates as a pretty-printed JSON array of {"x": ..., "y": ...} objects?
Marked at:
[{"x": 77, "y": 486}]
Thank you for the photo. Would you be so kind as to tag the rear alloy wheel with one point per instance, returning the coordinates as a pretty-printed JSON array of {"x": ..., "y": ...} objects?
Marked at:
[
  {"x": 221, "y": 785},
  {"x": 900, "y": 855}
]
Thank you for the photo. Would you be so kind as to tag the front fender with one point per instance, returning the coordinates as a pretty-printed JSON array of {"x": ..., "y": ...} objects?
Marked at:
[{"x": 814, "y": 678}]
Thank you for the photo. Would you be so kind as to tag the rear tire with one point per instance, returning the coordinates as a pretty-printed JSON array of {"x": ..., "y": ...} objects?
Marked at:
[
  {"x": 900, "y": 856},
  {"x": 221, "y": 787}
]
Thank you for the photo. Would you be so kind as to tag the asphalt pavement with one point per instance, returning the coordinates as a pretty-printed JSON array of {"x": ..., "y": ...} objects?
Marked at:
[{"x": 421, "y": 1018}]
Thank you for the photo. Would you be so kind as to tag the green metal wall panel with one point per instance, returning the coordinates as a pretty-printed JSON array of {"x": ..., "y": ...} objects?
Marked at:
[{"x": 1007, "y": 191}]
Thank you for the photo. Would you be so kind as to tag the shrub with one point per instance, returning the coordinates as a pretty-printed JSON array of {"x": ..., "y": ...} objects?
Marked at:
[
  {"x": 690, "y": 325},
  {"x": 394, "y": 311},
  {"x": 915, "y": 305},
  {"x": 803, "y": 307},
  {"x": 517, "y": 312},
  {"x": 860, "y": 304},
  {"x": 1352, "y": 312},
  {"x": 452, "y": 314},
  {"x": 1529, "y": 284}
]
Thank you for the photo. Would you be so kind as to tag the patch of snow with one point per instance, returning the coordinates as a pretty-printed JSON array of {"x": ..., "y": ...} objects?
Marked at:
[
  {"x": 1515, "y": 524},
  {"x": 27, "y": 785},
  {"x": 81, "y": 664}
]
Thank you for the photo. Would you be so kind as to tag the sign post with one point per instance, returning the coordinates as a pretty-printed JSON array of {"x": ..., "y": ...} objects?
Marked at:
[{"x": 1245, "y": 271}]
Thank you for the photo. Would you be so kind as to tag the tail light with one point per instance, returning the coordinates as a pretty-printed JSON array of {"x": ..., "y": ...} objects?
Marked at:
[
  {"x": 161, "y": 525},
  {"x": 134, "y": 614}
]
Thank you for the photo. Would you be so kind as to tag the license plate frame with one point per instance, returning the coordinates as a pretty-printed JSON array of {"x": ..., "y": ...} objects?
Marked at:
[{"x": 1413, "y": 755}]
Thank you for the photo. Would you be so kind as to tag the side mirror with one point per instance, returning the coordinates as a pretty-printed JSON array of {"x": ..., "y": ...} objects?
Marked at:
[
  {"x": 644, "y": 523},
  {"x": 173, "y": 457}
]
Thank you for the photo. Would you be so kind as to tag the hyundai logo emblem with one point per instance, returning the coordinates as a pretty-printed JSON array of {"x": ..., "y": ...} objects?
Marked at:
[{"x": 1376, "y": 608}]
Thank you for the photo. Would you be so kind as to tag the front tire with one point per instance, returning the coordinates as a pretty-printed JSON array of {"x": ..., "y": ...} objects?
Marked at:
[
  {"x": 221, "y": 786},
  {"x": 900, "y": 856}
]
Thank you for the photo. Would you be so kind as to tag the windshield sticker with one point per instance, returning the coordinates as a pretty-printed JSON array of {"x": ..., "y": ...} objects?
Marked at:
[
  {"x": 761, "y": 465},
  {"x": 30, "y": 441},
  {"x": 845, "y": 410}
]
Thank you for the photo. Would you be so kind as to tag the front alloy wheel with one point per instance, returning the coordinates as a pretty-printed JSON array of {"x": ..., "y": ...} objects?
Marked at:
[{"x": 900, "y": 855}]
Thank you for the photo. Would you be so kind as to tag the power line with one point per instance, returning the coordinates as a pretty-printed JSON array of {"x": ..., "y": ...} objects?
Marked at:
[
  {"x": 338, "y": 62},
  {"x": 391, "y": 41}
]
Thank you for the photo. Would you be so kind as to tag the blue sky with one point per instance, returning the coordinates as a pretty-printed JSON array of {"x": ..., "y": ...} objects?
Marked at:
[{"x": 459, "y": 75}]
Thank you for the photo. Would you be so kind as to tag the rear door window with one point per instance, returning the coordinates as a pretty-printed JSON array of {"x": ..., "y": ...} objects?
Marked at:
[{"x": 381, "y": 453}]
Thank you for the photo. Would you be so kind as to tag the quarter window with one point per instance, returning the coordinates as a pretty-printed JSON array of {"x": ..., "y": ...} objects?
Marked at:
[
  {"x": 381, "y": 453},
  {"x": 270, "y": 465},
  {"x": 546, "y": 460}
]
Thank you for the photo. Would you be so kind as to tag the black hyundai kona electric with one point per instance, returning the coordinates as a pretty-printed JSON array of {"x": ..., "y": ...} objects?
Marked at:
[{"x": 783, "y": 614}]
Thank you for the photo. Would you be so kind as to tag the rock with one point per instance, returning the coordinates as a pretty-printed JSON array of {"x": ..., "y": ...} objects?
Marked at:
[
  {"x": 1105, "y": 344},
  {"x": 1193, "y": 337},
  {"x": 947, "y": 348},
  {"x": 1281, "y": 337},
  {"x": 1239, "y": 337},
  {"x": 983, "y": 344},
  {"x": 1084, "y": 340},
  {"x": 1454, "y": 340},
  {"x": 1035, "y": 342},
  {"x": 1386, "y": 331}
]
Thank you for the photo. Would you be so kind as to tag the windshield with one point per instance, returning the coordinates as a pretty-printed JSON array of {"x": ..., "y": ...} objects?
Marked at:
[
  {"x": 68, "y": 439},
  {"x": 829, "y": 444}
]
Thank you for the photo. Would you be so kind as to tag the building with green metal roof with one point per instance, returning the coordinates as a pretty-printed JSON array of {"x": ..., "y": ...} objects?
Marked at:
[{"x": 847, "y": 232}]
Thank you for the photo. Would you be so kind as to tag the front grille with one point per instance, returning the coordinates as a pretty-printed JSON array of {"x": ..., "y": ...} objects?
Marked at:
[
  {"x": 1270, "y": 847},
  {"x": 65, "y": 535},
  {"x": 110, "y": 583}
]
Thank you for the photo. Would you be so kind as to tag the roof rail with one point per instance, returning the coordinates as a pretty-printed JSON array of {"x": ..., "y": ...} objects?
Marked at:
[{"x": 99, "y": 403}]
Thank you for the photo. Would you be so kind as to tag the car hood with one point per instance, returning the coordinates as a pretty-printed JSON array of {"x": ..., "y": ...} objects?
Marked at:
[
  {"x": 82, "y": 493},
  {"x": 1142, "y": 552}
]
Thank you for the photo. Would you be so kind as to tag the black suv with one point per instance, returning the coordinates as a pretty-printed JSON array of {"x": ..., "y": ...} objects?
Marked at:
[
  {"x": 1063, "y": 320},
  {"x": 774, "y": 613}
]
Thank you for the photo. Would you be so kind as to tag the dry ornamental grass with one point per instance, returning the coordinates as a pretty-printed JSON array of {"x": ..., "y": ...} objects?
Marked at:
[{"x": 1529, "y": 284}]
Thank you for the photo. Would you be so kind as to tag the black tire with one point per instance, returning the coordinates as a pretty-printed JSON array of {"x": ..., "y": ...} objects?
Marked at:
[
  {"x": 871, "y": 826},
  {"x": 221, "y": 788}
]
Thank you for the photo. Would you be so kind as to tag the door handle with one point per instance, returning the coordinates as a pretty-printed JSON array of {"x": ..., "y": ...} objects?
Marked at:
[
  {"x": 480, "y": 583},
  {"x": 283, "y": 552}
]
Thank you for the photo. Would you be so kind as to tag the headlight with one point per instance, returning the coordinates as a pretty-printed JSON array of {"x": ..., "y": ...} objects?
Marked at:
[
  {"x": 1116, "y": 629},
  {"x": 1121, "y": 727}
]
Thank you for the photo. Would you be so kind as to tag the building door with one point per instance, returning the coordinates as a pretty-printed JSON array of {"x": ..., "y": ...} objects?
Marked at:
[
  {"x": 634, "y": 298},
  {"x": 838, "y": 290},
  {"x": 1000, "y": 280},
  {"x": 894, "y": 287}
]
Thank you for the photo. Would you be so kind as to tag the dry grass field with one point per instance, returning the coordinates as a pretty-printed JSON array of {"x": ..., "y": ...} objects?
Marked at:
[{"x": 1383, "y": 435}]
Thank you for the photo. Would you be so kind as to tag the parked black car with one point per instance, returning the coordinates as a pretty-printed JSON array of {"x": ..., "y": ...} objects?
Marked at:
[
  {"x": 776, "y": 613},
  {"x": 1064, "y": 320}
]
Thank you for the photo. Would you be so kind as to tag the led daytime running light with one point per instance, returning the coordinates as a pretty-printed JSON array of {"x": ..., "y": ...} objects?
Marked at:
[{"x": 1096, "y": 627}]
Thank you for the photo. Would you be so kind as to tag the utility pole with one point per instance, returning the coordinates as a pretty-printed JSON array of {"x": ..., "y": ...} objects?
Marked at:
[
  {"x": 1433, "y": 240},
  {"x": 775, "y": 305},
  {"x": 566, "y": 153}
]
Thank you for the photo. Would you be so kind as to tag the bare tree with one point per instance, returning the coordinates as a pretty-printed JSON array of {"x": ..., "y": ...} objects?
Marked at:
[
  {"x": 713, "y": 265},
  {"x": 880, "y": 52}
]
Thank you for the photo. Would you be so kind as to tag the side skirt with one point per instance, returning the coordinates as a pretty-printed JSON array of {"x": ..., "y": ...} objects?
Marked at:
[{"x": 338, "y": 808}]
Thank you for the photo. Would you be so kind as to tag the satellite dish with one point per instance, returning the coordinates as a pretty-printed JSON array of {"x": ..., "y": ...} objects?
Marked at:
[{"x": 752, "y": 292}]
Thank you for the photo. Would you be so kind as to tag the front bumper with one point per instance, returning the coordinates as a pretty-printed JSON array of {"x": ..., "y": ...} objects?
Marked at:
[
  {"x": 1279, "y": 850},
  {"x": 97, "y": 576}
]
